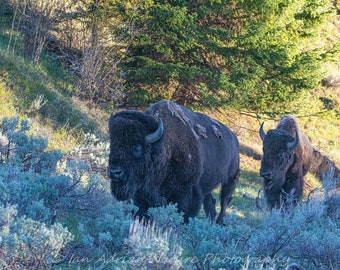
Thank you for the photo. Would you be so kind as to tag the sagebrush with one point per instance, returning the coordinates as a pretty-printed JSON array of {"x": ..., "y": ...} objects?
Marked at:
[{"x": 59, "y": 213}]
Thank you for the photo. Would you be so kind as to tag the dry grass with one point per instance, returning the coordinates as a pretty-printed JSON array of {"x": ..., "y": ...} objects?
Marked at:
[{"x": 64, "y": 119}]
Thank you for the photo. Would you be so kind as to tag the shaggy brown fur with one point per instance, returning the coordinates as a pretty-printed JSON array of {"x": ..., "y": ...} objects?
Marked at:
[
  {"x": 283, "y": 167},
  {"x": 321, "y": 165},
  {"x": 193, "y": 155}
]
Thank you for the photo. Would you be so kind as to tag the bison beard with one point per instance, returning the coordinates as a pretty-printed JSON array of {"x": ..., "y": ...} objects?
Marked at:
[
  {"x": 170, "y": 154},
  {"x": 287, "y": 157}
]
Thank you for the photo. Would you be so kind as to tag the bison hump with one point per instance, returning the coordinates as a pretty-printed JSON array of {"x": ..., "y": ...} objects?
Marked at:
[{"x": 177, "y": 111}]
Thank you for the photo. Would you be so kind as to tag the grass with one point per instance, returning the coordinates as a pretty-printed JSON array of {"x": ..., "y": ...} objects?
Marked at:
[
  {"x": 320, "y": 125},
  {"x": 7, "y": 107},
  {"x": 45, "y": 94}
]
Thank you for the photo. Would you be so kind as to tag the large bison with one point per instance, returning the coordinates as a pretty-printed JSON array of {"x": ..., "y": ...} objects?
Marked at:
[
  {"x": 287, "y": 157},
  {"x": 170, "y": 154}
]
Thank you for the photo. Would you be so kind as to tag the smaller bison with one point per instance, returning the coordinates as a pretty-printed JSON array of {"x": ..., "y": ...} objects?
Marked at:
[
  {"x": 287, "y": 157},
  {"x": 322, "y": 165}
]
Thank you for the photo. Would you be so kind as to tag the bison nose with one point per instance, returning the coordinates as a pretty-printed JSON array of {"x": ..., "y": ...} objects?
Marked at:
[
  {"x": 117, "y": 174},
  {"x": 265, "y": 174}
]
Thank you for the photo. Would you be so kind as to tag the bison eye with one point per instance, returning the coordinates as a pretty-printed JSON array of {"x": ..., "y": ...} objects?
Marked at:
[
  {"x": 137, "y": 150},
  {"x": 281, "y": 156}
]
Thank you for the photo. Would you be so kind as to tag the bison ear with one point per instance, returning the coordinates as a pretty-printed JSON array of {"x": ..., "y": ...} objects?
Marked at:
[
  {"x": 262, "y": 134},
  {"x": 156, "y": 135},
  {"x": 292, "y": 145}
]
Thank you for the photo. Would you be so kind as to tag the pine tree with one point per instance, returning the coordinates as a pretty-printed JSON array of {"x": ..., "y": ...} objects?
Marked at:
[{"x": 250, "y": 54}]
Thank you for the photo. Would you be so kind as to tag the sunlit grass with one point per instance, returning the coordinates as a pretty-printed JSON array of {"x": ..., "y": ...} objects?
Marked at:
[
  {"x": 63, "y": 118},
  {"x": 43, "y": 94},
  {"x": 7, "y": 108}
]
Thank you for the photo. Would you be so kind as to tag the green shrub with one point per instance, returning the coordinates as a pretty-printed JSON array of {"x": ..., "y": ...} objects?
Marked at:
[
  {"x": 27, "y": 152},
  {"x": 105, "y": 230},
  {"x": 166, "y": 217},
  {"x": 105, "y": 235},
  {"x": 29, "y": 244},
  {"x": 305, "y": 235}
]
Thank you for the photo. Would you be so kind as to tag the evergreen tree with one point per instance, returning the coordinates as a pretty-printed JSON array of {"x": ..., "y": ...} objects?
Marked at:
[{"x": 250, "y": 54}]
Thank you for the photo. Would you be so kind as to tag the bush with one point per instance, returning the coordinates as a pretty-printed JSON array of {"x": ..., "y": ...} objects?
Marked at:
[
  {"x": 105, "y": 235},
  {"x": 29, "y": 244},
  {"x": 104, "y": 231},
  {"x": 166, "y": 217},
  {"x": 304, "y": 236},
  {"x": 44, "y": 189},
  {"x": 27, "y": 152},
  {"x": 152, "y": 247}
]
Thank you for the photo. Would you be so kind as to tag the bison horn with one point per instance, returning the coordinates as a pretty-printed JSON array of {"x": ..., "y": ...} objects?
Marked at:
[
  {"x": 155, "y": 136},
  {"x": 262, "y": 134},
  {"x": 292, "y": 145}
]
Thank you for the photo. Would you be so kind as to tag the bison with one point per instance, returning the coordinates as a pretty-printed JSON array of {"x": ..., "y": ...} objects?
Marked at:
[
  {"x": 321, "y": 165},
  {"x": 287, "y": 157},
  {"x": 170, "y": 154}
]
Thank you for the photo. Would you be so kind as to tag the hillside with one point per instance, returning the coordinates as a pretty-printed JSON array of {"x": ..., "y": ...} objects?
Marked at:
[
  {"x": 49, "y": 95},
  {"x": 64, "y": 217},
  {"x": 45, "y": 95}
]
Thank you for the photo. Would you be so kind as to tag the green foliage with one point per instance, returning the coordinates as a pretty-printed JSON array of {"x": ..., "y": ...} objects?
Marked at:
[
  {"x": 204, "y": 247},
  {"x": 296, "y": 235},
  {"x": 29, "y": 244},
  {"x": 251, "y": 55},
  {"x": 43, "y": 93},
  {"x": 106, "y": 230},
  {"x": 28, "y": 151},
  {"x": 166, "y": 217},
  {"x": 105, "y": 234},
  {"x": 248, "y": 54},
  {"x": 31, "y": 180}
]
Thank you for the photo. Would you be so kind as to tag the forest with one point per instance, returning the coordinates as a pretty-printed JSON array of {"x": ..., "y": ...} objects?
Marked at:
[{"x": 66, "y": 65}]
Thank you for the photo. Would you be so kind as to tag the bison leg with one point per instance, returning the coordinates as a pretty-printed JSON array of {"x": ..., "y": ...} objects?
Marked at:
[
  {"x": 191, "y": 202},
  {"x": 209, "y": 206},
  {"x": 226, "y": 195},
  {"x": 143, "y": 207}
]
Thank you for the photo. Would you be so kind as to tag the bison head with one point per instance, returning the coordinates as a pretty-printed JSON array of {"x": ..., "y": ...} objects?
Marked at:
[
  {"x": 133, "y": 149},
  {"x": 278, "y": 157}
]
